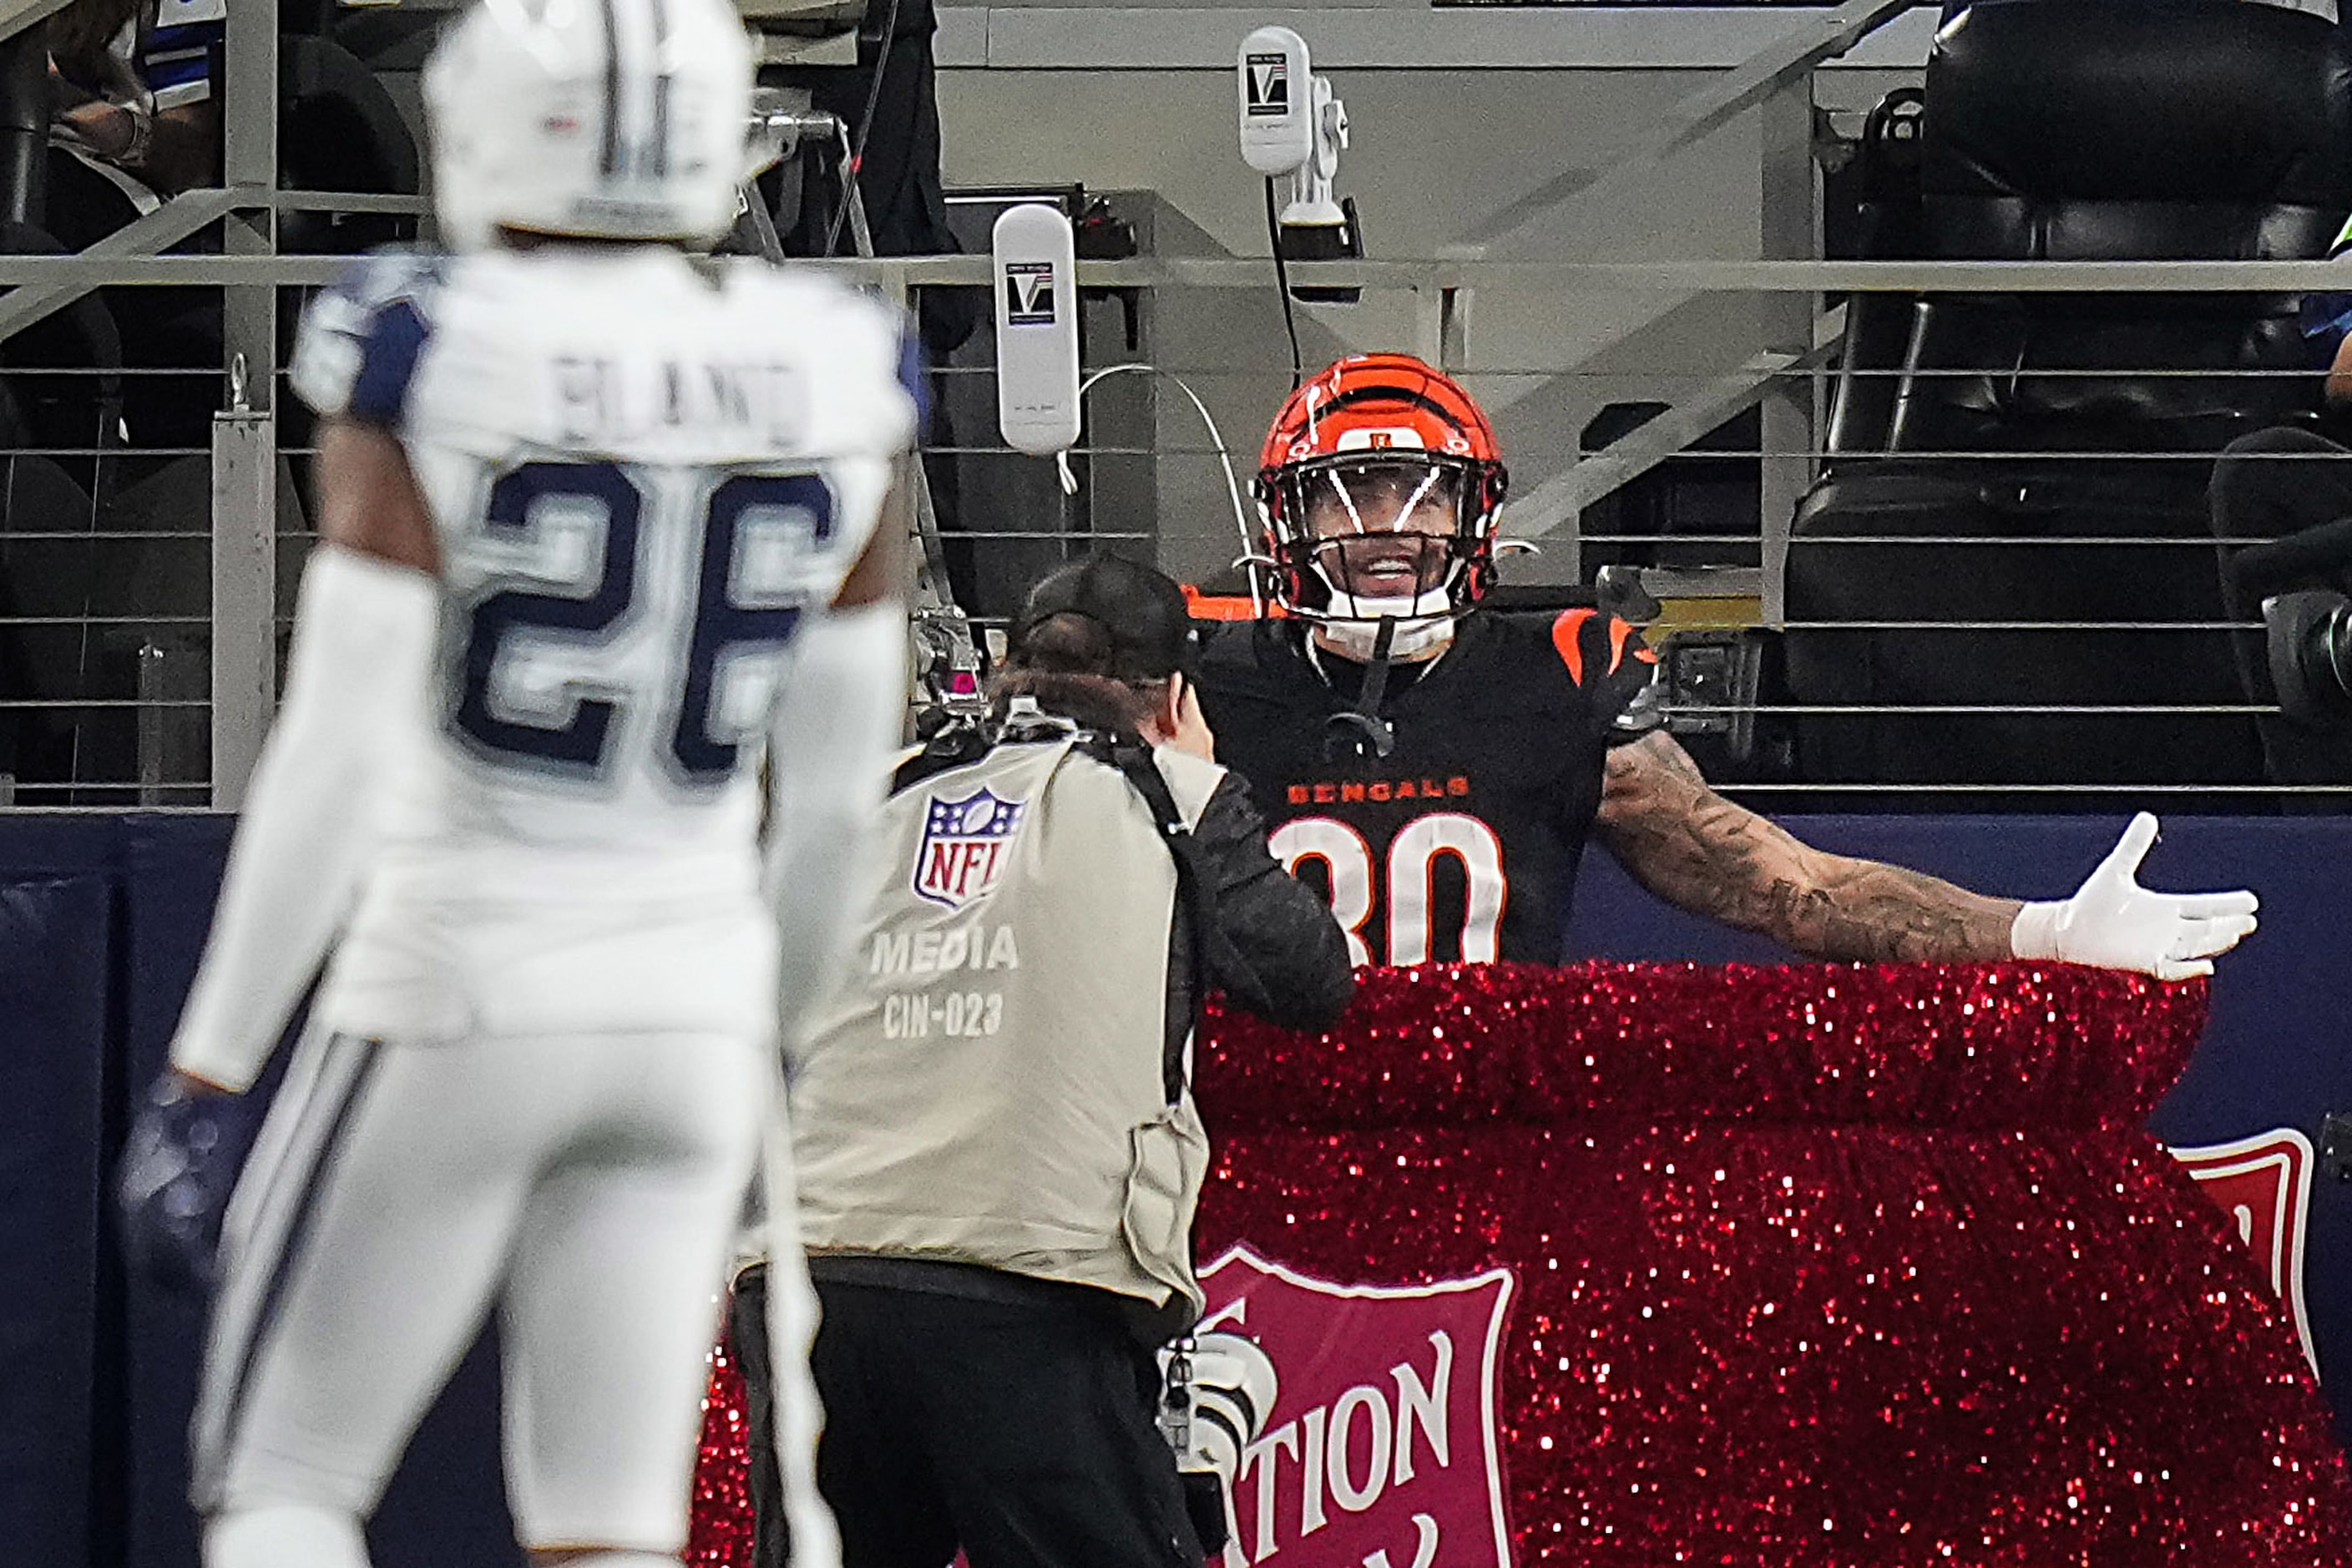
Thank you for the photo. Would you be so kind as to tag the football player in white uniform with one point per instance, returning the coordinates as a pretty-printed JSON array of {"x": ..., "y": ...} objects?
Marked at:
[{"x": 603, "y": 525}]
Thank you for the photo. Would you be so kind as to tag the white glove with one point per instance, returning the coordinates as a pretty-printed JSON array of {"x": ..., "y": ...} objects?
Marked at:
[{"x": 2113, "y": 923}]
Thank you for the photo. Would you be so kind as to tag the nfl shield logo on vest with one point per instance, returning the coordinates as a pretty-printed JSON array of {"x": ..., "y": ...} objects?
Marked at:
[
  {"x": 965, "y": 846},
  {"x": 1383, "y": 1446}
]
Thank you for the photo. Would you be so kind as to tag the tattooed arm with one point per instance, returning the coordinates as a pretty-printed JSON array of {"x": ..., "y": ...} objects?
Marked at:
[{"x": 1699, "y": 852}]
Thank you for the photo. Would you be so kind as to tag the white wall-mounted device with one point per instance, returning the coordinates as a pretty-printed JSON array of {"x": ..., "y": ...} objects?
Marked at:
[{"x": 1036, "y": 329}]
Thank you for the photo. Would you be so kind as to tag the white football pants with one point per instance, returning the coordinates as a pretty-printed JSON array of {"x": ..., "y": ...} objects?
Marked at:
[{"x": 588, "y": 1188}]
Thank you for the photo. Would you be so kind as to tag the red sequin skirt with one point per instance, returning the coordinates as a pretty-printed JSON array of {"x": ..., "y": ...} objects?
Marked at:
[{"x": 1817, "y": 1266}]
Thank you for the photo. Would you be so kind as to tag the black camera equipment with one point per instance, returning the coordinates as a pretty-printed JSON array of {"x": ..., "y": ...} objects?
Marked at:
[{"x": 2307, "y": 631}]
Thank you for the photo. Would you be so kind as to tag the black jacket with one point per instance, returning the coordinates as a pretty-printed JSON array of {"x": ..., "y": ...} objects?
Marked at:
[{"x": 1273, "y": 925}]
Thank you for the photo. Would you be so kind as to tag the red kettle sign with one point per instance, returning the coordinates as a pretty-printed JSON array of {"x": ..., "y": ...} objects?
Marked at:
[{"x": 1382, "y": 1449}]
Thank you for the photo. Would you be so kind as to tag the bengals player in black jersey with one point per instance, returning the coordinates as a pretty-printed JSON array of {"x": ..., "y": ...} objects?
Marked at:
[{"x": 1439, "y": 767}]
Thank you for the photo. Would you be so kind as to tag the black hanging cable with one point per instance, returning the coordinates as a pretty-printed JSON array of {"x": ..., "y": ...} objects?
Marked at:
[
  {"x": 1282, "y": 282},
  {"x": 865, "y": 128}
]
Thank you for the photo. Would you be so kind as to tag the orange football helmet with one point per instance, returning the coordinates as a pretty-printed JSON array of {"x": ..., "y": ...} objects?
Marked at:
[{"x": 1380, "y": 487}]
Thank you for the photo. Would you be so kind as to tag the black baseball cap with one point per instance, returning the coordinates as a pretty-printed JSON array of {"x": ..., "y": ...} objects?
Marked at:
[{"x": 1144, "y": 612}]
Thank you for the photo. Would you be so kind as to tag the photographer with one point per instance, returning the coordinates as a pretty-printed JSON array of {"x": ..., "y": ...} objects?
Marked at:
[
  {"x": 995, "y": 1143},
  {"x": 2275, "y": 484}
]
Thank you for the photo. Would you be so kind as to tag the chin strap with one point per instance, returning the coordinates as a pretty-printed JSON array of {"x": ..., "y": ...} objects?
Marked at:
[{"x": 1361, "y": 730}]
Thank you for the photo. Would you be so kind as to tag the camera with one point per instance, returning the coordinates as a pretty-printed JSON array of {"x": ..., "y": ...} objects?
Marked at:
[
  {"x": 1217, "y": 1394},
  {"x": 2307, "y": 637},
  {"x": 2307, "y": 620},
  {"x": 947, "y": 670}
]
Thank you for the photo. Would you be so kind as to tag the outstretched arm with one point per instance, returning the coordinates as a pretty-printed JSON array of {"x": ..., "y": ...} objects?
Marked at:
[{"x": 1700, "y": 852}]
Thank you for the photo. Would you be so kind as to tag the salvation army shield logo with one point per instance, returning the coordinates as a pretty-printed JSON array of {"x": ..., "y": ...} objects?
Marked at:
[
  {"x": 2263, "y": 1185},
  {"x": 966, "y": 843},
  {"x": 1382, "y": 1449}
]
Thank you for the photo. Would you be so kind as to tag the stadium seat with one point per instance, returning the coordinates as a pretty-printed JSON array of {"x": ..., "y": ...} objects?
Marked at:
[
  {"x": 41, "y": 579},
  {"x": 340, "y": 130},
  {"x": 2062, "y": 130},
  {"x": 61, "y": 377},
  {"x": 61, "y": 408}
]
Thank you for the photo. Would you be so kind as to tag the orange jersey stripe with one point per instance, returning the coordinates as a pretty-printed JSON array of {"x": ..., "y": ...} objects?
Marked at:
[
  {"x": 1618, "y": 632},
  {"x": 1565, "y": 631}
]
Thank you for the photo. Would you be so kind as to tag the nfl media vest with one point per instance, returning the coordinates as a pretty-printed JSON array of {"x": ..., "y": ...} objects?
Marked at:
[{"x": 987, "y": 1087}]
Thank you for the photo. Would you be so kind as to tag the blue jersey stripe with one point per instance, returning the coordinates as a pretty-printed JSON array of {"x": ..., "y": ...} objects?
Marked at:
[
  {"x": 312, "y": 1184},
  {"x": 176, "y": 73},
  {"x": 388, "y": 357},
  {"x": 184, "y": 35},
  {"x": 912, "y": 376}
]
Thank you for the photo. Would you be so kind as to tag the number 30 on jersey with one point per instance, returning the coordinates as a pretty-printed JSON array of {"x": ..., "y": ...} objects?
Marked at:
[{"x": 1411, "y": 860}]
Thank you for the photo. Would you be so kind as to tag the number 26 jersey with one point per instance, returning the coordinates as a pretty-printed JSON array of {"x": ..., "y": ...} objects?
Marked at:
[
  {"x": 642, "y": 470},
  {"x": 1462, "y": 844}
]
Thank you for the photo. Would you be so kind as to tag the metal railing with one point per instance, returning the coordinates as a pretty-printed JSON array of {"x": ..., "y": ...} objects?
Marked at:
[
  {"x": 1718, "y": 577},
  {"x": 200, "y": 685}
]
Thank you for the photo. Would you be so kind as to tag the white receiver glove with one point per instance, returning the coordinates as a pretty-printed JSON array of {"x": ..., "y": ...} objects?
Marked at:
[{"x": 2113, "y": 923}]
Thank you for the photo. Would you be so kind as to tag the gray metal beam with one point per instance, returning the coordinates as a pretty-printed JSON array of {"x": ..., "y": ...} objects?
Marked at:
[
  {"x": 245, "y": 438},
  {"x": 249, "y": 163},
  {"x": 1790, "y": 212},
  {"x": 1550, "y": 509},
  {"x": 1806, "y": 44},
  {"x": 1676, "y": 277},
  {"x": 112, "y": 263},
  {"x": 15, "y": 15},
  {"x": 1361, "y": 35},
  {"x": 244, "y": 596},
  {"x": 345, "y": 202},
  {"x": 172, "y": 222},
  {"x": 249, "y": 99}
]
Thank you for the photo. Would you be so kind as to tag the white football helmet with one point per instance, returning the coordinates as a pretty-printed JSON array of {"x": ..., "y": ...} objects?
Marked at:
[{"x": 606, "y": 119}]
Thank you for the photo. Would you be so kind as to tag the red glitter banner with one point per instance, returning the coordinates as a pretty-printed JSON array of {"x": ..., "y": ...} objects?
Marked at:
[{"x": 1810, "y": 1268}]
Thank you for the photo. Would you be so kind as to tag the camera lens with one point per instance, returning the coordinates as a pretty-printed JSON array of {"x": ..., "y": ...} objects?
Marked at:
[{"x": 2308, "y": 637}]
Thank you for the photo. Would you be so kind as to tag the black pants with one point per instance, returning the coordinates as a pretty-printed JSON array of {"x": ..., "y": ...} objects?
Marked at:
[
  {"x": 1019, "y": 1429},
  {"x": 2267, "y": 485}
]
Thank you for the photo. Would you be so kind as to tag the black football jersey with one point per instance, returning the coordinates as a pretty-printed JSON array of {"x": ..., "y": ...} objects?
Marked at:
[{"x": 1462, "y": 844}]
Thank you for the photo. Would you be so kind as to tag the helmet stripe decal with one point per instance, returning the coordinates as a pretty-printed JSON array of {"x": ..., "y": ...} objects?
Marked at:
[
  {"x": 661, "y": 124},
  {"x": 1356, "y": 395},
  {"x": 661, "y": 89},
  {"x": 608, "y": 160},
  {"x": 637, "y": 90}
]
